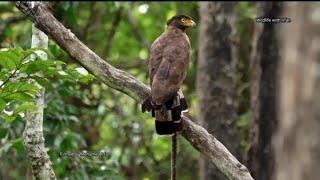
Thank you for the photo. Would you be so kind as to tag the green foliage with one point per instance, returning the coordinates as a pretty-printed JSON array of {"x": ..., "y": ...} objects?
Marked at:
[{"x": 18, "y": 91}]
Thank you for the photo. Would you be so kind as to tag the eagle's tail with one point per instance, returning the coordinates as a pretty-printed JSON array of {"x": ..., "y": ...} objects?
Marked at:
[
  {"x": 172, "y": 113},
  {"x": 169, "y": 127}
]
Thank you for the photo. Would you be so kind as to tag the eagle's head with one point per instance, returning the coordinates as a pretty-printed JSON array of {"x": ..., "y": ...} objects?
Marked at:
[{"x": 181, "y": 21}]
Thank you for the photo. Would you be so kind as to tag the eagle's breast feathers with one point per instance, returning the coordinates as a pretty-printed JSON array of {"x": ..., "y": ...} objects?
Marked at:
[{"x": 169, "y": 60}]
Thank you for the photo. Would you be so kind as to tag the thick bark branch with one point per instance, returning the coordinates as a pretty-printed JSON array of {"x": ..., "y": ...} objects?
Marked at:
[{"x": 124, "y": 82}]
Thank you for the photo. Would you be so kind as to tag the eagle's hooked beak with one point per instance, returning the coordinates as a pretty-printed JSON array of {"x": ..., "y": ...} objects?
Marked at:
[
  {"x": 192, "y": 23},
  {"x": 189, "y": 23}
]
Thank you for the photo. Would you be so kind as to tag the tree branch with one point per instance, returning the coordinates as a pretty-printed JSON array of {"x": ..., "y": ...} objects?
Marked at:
[{"x": 124, "y": 82}]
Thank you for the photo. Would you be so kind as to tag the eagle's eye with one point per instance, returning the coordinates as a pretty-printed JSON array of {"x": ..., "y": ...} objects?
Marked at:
[{"x": 183, "y": 20}]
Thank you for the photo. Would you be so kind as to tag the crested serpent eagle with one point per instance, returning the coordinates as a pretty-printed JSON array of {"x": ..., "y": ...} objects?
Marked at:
[{"x": 168, "y": 64}]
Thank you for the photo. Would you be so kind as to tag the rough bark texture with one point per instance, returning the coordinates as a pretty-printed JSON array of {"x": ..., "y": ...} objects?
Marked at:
[
  {"x": 216, "y": 79},
  {"x": 33, "y": 134},
  {"x": 122, "y": 81},
  {"x": 264, "y": 66},
  {"x": 297, "y": 142}
]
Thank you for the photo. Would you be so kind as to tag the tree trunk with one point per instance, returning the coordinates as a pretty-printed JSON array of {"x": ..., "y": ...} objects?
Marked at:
[
  {"x": 216, "y": 80},
  {"x": 297, "y": 142},
  {"x": 33, "y": 134},
  {"x": 264, "y": 65}
]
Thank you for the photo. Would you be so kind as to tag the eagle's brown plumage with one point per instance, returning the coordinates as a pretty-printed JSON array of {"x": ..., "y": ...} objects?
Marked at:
[{"x": 169, "y": 61}]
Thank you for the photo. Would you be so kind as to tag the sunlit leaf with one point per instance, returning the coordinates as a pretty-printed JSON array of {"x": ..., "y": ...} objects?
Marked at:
[
  {"x": 24, "y": 107},
  {"x": 19, "y": 96},
  {"x": 6, "y": 61}
]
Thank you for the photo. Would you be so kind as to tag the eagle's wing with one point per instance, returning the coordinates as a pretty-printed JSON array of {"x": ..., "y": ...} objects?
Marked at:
[
  {"x": 168, "y": 63},
  {"x": 170, "y": 69}
]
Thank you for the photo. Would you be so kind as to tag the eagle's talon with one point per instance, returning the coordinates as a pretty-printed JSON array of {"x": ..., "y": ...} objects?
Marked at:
[{"x": 147, "y": 105}]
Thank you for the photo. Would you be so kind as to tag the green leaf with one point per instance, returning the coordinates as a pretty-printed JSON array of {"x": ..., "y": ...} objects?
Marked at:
[
  {"x": 8, "y": 118},
  {"x": 12, "y": 56},
  {"x": 6, "y": 61},
  {"x": 18, "y": 145},
  {"x": 16, "y": 55},
  {"x": 34, "y": 50},
  {"x": 2, "y": 105},
  {"x": 57, "y": 62},
  {"x": 51, "y": 71},
  {"x": 11, "y": 86},
  {"x": 3, "y": 74},
  {"x": 86, "y": 79},
  {"x": 28, "y": 53},
  {"x": 19, "y": 96},
  {"x": 42, "y": 81},
  {"x": 3, "y": 133},
  {"x": 32, "y": 67},
  {"x": 244, "y": 120},
  {"x": 48, "y": 67},
  {"x": 8, "y": 32},
  {"x": 24, "y": 107},
  {"x": 30, "y": 88}
]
